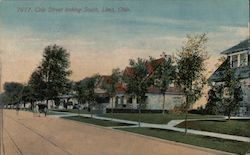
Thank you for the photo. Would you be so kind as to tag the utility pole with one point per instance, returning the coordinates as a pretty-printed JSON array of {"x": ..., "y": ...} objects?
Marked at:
[{"x": 1, "y": 114}]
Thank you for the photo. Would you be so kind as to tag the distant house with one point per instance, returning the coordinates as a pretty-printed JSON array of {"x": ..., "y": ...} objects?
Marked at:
[
  {"x": 238, "y": 57},
  {"x": 154, "y": 99}
]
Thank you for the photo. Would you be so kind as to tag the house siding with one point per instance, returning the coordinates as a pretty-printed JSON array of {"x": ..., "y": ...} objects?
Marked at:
[{"x": 155, "y": 101}]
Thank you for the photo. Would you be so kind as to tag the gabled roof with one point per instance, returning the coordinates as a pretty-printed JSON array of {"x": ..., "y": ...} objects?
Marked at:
[
  {"x": 150, "y": 66},
  {"x": 244, "y": 45},
  {"x": 104, "y": 79},
  {"x": 120, "y": 88}
]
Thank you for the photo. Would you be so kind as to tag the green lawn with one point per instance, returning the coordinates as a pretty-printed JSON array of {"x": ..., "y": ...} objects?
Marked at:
[
  {"x": 54, "y": 113},
  {"x": 156, "y": 118},
  {"x": 72, "y": 111},
  {"x": 203, "y": 141},
  {"x": 233, "y": 127},
  {"x": 95, "y": 121}
]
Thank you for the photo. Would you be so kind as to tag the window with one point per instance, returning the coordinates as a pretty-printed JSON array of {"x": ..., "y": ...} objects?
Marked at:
[
  {"x": 234, "y": 61},
  {"x": 130, "y": 100},
  {"x": 243, "y": 59}
]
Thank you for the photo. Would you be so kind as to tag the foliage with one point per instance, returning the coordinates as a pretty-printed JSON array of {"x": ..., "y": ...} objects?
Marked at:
[
  {"x": 137, "y": 83},
  {"x": 191, "y": 66},
  {"x": 214, "y": 100},
  {"x": 50, "y": 79},
  {"x": 13, "y": 92},
  {"x": 232, "y": 91},
  {"x": 79, "y": 88},
  {"x": 37, "y": 84},
  {"x": 85, "y": 90},
  {"x": 110, "y": 84},
  {"x": 164, "y": 75},
  {"x": 28, "y": 95}
]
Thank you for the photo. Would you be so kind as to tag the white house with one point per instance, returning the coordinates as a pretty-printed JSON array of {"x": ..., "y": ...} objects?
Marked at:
[{"x": 154, "y": 99}]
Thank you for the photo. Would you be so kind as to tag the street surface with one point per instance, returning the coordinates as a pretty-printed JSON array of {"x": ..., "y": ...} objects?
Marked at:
[{"x": 26, "y": 134}]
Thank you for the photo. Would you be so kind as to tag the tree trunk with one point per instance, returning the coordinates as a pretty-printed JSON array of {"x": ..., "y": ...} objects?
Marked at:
[
  {"x": 47, "y": 103},
  {"x": 163, "y": 105},
  {"x": 229, "y": 115},
  {"x": 139, "y": 115},
  {"x": 112, "y": 108},
  {"x": 91, "y": 110},
  {"x": 24, "y": 105},
  {"x": 186, "y": 114}
]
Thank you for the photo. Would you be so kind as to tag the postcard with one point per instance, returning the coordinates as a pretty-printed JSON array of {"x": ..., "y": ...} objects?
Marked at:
[{"x": 124, "y": 77}]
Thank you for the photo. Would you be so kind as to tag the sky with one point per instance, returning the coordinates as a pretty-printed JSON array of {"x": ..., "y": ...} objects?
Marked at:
[{"x": 100, "y": 40}]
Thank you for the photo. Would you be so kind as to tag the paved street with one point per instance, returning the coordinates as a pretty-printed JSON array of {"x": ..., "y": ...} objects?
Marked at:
[{"x": 26, "y": 134}]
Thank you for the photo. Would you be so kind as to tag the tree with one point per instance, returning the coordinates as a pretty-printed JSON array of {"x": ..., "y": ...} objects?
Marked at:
[
  {"x": 110, "y": 86},
  {"x": 50, "y": 79},
  {"x": 190, "y": 69},
  {"x": 28, "y": 96},
  {"x": 37, "y": 84},
  {"x": 137, "y": 82},
  {"x": 86, "y": 91},
  {"x": 90, "y": 91},
  {"x": 79, "y": 88},
  {"x": 163, "y": 76},
  {"x": 214, "y": 99},
  {"x": 232, "y": 91},
  {"x": 13, "y": 93}
]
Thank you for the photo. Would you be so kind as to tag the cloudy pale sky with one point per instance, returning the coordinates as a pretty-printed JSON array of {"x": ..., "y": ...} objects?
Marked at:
[{"x": 100, "y": 41}]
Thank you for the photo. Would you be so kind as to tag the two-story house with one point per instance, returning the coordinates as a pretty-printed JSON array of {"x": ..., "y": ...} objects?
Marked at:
[{"x": 239, "y": 59}]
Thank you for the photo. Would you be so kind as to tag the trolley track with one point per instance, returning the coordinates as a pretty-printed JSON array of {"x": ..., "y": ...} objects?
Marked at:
[{"x": 36, "y": 133}]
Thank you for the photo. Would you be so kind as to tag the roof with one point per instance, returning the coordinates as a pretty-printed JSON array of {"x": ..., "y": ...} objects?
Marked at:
[
  {"x": 240, "y": 72},
  {"x": 129, "y": 71},
  {"x": 244, "y": 45},
  {"x": 150, "y": 66},
  {"x": 104, "y": 79},
  {"x": 120, "y": 88}
]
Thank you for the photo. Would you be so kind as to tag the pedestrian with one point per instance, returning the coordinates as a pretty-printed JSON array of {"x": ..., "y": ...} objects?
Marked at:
[
  {"x": 45, "y": 110},
  {"x": 17, "y": 109}
]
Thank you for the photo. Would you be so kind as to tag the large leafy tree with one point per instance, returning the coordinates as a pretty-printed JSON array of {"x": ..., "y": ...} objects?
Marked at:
[
  {"x": 190, "y": 69},
  {"x": 163, "y": 76},
  {"x": 28, "y": 96},
  {"x": 13, "y": 93},
  {"x": 37, "y": 84},
  {"x": 137, "y": 82},
  {"x": 79, "y": 88},
  {"x": 50, "y": 79},
  {"x": 85, "y": 90},
  {"x": 110, "y": 86}
]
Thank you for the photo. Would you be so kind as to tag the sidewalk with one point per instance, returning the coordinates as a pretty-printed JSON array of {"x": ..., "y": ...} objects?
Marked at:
[{"x": 170, "y": 126}]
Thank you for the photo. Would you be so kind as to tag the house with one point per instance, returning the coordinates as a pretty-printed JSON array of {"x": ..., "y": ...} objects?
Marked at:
[
  {"x": 238, "y": 57},
  {"x": 154, "y": 99}
]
